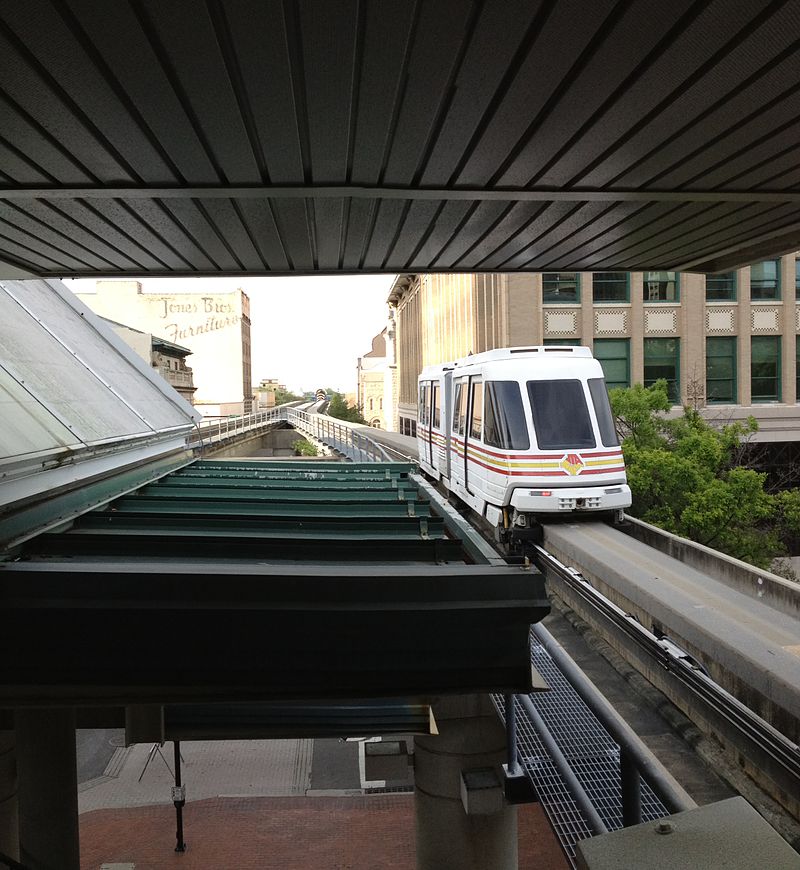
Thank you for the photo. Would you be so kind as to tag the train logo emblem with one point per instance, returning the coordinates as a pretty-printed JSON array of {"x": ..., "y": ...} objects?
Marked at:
[{"x": 572, "y": 463}]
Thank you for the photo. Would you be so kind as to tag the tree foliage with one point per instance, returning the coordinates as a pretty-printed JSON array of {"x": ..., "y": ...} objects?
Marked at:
[
  {"x": 283, "y": 396},
  {"x": 302, "y": 447},
  {"x": 687, "y": 477},
  {"x": 340, "y": 409}
]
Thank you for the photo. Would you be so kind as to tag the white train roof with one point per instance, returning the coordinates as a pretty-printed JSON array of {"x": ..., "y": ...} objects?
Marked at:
[{"x": 539, "y": 354}]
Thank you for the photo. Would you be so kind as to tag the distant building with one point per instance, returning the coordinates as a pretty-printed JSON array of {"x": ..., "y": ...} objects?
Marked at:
[
  {"x": 264, "y": 393},
  {"x": 214, "y": 326},
  {"x": 727, "y": 344},
  {"x": 167, "y": 358},
  {"x": 375, "y": 370}
]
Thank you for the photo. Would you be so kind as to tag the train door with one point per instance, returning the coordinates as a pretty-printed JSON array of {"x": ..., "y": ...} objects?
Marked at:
[
  {"x": 458, "y": 432},
  {"x": 423, "y": 428},
  {"x": 447, "y": 417},
  {"x": 474, "y": 473},
  {"x": 436, "y": 425}
]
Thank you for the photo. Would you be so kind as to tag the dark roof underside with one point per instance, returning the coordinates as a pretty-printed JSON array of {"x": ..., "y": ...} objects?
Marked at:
[{"x": 260, "y": 136}]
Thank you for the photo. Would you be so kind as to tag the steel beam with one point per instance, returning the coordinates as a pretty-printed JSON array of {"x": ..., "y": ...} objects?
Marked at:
[
  {"x": 166, "y": 631},
  {"x": 353, "y": 191}
]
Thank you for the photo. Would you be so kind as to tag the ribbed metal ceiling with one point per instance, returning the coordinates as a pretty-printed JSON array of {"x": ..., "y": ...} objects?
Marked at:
[{"x": 260, "y": 136}]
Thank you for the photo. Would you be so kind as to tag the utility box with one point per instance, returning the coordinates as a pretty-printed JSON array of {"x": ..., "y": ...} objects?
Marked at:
[{"x": 481, "y": 791}]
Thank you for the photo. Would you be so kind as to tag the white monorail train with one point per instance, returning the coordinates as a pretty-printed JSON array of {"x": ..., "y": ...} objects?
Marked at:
[{"x": 519, "y": 433}]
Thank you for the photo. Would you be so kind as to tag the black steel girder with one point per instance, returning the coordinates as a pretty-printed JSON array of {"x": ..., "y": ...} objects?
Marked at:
[{"x": 168, "y": 632}]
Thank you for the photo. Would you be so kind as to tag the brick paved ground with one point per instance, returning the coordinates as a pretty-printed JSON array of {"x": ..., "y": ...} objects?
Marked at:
[
  {"x": 240, "y": 768},
  {"x": 282, "y": 833}
]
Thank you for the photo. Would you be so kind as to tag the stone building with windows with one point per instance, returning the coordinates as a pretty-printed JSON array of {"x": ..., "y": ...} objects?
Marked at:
[
  {"x": 167, "y": 358},
  {"x": 372, "y": 382},
  {"x": 727, "y": 344},
  {"x": 215, "y": 327},
  {"x": 377, "y": 380}
]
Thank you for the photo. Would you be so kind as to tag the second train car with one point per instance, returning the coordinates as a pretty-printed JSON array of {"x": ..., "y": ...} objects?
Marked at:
[{"x": 522, "y": 433}]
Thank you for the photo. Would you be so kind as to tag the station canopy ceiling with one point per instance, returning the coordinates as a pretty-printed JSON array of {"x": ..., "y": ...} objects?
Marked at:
[{"x": 257, "y": 136}]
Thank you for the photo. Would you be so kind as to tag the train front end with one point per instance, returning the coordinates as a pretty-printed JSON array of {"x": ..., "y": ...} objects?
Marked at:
[{"x": 576, "y": 465}]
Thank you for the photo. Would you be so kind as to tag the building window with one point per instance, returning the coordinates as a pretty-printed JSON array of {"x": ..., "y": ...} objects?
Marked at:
[
  {"x": 564, "y": 342},
  {"x": 560, "y": 288},
  {"x": 797, "y": 377},
  {"x": 765, "y": 368},
  {"x": 661, "y": 287},
  {"x": 721, "y": 288},
  {"x": 720, "y": 370},
  {"x": 661, "y": 360},
  {"x": 611, "y": 287},
  {"x": 614, "y": 355},
  {"x": 370, "y": 404},
  {"x": 797, "y": 279},
  {"x": 765, "y": 280}
]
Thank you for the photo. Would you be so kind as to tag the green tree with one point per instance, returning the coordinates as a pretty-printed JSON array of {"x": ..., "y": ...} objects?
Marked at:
[
  {"x": 340, "y": 409},
  {"x": 687, "y": 477},
  {"x": 284, "y": 396},
  {"x": 302, "y": 447}
]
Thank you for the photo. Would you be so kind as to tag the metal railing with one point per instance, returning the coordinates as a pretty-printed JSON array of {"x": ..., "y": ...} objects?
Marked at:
[
  {"x": 226, "y": 427},
  {"x": 338, "y": 436}
]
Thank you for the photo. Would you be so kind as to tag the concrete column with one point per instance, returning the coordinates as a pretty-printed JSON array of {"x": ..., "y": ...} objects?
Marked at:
[
  {"x": 636, "y": 327},
  {"x": 788, "y": 331},
  {"x": 48, "y": 789},
  {"x": 587, "y": 309},
  {"x": 692, "y": 314},
  {"x": 745, "y": 329},
  {"x": 9, "y": 833},
  {"x": 470, "y": 736}
]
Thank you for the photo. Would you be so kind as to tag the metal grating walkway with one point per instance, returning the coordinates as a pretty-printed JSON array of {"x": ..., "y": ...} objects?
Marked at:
[{"x": 592, "y": 754}]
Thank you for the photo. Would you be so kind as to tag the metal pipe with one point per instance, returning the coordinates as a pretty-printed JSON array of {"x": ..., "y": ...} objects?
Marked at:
[
  {"x": 576, "y": 790},
  {"x": 511, "y": 735},
  {"x": 668, "y": 790}
]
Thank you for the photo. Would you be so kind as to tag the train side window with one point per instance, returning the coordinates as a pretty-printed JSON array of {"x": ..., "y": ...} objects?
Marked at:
[
  {"x": 437, "y": 407},
  {"x": 460, "y": 408},
  {"x": 423, "y": 404},
  {"x": 456, "y": 406},
  {"x": 504, "y": 423},
  {"x": 560, "y": 415},
  {"x": 476, "y": 421},
  {"x": 602, "y": 410}
]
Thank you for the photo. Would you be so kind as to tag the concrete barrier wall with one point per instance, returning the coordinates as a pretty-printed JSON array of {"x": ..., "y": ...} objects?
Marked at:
[
  {"x": 277, "y": 442},
  {"x": 769, "y": 588}
]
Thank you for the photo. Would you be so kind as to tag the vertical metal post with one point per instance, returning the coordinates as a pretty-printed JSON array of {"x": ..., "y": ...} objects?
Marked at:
[
  {"x": 179, "y": 799},
  {"x": 511, "y": 735},
  {"x": 631, "y": 787}
]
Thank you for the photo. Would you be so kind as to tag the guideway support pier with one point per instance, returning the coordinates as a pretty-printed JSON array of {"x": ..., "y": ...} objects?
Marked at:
[
  {"x": 450, "y": 835},
  {"x": 48, "y": 788}
]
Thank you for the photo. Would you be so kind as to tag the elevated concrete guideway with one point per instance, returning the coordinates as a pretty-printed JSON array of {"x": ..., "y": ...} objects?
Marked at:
[{"x": 282, "y": 138}]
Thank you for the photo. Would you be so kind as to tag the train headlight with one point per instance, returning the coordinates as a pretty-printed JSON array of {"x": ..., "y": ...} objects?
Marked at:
[{"x": 545, "y": 492}]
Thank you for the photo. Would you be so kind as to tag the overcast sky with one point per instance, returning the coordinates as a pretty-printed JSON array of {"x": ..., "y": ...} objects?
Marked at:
[{"x": 306, "y": 331}]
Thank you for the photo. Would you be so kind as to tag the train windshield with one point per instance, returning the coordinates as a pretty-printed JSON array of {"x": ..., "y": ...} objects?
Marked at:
[
  {"x": 504, "y": 424},
  {"x": 560, "y": 415}
]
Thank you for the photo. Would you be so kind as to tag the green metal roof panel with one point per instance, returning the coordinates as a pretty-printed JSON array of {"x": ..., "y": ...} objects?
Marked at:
[{"x": 276, "y": 590}]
